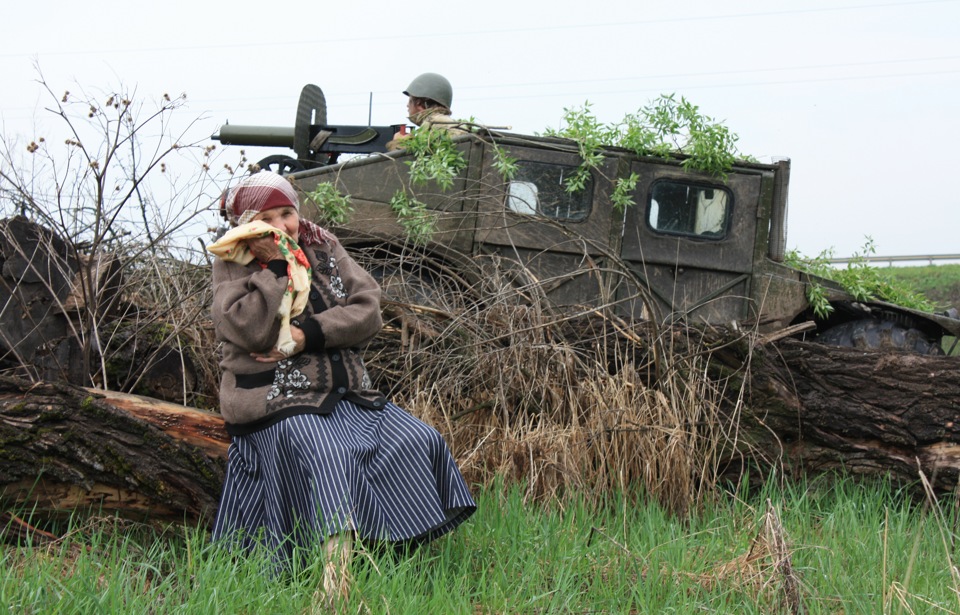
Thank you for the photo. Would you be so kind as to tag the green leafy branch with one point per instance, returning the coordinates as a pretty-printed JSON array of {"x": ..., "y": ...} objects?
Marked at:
[
  {"x": 334, "y": 208},
  {"x": 668, "y": 126},
  {"x": 665, "y": 128},
  {"x": 861, "y": 280},
  {"x": 505, "y": 165},
  {"x": 621, "y": 193},
  {"x": 416, "y": 220},
  {"x": 590, "y": 135},
  {"x": 435, "y": 158}
]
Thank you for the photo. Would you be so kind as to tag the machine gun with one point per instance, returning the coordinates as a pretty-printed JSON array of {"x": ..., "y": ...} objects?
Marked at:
[{"x": 315, "y": 142}]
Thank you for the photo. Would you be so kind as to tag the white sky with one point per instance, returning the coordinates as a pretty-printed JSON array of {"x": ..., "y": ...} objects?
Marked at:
[{"x": 862, "y": 96}]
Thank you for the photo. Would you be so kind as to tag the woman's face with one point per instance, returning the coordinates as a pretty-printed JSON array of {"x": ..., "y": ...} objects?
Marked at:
[{"x": 284, "y": 218}]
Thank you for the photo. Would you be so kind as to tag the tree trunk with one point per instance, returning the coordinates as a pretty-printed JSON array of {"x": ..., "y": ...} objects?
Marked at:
[
  {"x": 66, "y": 447},
  {"x": 822, "y": 408},
  {"x": 58, "y": 306}
]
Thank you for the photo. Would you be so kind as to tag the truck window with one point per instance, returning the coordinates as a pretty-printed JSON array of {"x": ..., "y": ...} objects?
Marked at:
[
  {"x": 689, "y": 209},
  {"x": 538, "y": 189}
]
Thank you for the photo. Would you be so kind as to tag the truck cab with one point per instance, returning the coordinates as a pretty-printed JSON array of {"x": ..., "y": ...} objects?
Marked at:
[{"x": 692, "y": 246}]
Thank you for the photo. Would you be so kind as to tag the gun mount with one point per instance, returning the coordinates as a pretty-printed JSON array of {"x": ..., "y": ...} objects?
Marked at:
[{"x": 314, "y": 142}]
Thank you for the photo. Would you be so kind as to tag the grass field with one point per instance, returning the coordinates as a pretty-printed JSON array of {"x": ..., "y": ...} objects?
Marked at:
[
  {"x": 830, "y": 547},
  {"x": 939, "y": 283}
]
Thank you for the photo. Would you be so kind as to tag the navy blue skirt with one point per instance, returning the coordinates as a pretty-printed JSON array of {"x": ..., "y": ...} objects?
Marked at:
[{"x": 382, "y": 474}]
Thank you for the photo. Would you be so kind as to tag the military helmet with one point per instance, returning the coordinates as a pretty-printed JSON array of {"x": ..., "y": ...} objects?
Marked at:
[{"x": 432, "y": 86}]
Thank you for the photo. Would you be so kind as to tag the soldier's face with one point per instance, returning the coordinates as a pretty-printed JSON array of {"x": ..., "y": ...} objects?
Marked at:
[{"x": 413, "y": 107}]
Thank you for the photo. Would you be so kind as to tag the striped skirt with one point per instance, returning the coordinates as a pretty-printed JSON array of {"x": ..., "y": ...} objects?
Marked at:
[{"x": 383, "y": 474}]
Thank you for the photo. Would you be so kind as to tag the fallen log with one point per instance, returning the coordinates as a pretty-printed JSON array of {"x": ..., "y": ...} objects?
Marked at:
[
  {"x": 67, "y": 448},
  {"x": 823, "y": 408},
  {"x": 198, "y": 428}
]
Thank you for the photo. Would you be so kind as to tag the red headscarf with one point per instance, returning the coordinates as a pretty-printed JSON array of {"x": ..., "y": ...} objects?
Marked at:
[{"x": 263, "y": 191}]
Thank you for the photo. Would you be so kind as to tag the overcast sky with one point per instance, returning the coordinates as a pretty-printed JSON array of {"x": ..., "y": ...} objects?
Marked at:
[{"x": 862, "y": 96}]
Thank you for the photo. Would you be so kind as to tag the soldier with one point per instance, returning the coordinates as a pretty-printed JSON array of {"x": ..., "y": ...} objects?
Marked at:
[{"x": 430, "y": 96}]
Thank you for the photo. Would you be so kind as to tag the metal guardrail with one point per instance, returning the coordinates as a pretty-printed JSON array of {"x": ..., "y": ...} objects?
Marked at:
[{"x": 930, "y": 258}]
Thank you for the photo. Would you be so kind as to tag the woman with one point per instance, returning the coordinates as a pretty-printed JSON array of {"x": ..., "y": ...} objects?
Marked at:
[{"x": 317, "y": 454}]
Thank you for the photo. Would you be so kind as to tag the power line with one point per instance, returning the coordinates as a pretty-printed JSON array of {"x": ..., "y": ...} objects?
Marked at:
[
  {"x": 286, "y": 102},
  {"x": 748, "y": 71},
  {"x": 487, "y": 32},
  {"x": 779, "y": 69},
  {"x": 528, "y": 96}
]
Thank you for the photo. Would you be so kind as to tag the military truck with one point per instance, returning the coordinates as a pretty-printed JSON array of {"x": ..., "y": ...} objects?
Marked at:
[{"x": 693, "y": 247}]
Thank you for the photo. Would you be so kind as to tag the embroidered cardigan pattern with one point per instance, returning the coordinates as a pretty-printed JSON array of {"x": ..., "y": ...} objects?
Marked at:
[{"x": 341, "y": 315}]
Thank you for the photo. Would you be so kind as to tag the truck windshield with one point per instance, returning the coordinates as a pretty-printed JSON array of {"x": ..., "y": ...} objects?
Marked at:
[{"x": 689, "y": 209}]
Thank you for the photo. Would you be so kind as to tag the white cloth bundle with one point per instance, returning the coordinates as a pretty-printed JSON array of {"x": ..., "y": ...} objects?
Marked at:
[{"x": 233, "y": 247}]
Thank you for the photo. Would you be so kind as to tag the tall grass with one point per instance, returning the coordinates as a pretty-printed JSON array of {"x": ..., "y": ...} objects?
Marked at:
[{"x": 834, "y": 546}]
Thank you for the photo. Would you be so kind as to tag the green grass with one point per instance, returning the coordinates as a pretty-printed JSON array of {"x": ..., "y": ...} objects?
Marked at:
[
  {"x": 854, "y": 548},
  {"x": 938, "y": 283}
]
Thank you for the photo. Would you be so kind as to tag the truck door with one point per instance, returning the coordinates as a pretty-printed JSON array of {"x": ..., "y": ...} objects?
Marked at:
[
  {"x": 690, "y": 240},
  {"x": 559, "y": 236}
]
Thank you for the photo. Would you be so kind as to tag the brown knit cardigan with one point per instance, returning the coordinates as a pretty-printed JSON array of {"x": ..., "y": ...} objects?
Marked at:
[{"x": 342, "y": 315}]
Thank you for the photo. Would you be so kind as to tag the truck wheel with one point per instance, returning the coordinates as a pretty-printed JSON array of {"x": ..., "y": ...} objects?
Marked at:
[
  {"x": 869, "y": 334},
  {"x": 280, "y": 164}
]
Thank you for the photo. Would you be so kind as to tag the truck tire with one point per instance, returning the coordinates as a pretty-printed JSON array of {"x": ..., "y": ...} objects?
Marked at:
[
  {"x": 280, "y": 164},
  {"x": 870, "y": 334}
]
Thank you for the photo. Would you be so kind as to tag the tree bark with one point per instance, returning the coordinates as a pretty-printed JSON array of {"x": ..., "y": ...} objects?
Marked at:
[
  {"x": 821, "y": 408},
  {"x": 65, "y": 447},
  {"x": 57, "y": 306}
]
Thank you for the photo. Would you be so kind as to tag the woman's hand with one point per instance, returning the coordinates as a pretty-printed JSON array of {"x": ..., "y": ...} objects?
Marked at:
[
  {"x": 264, "y": 248},
  {"x": 274, "y": 355}
]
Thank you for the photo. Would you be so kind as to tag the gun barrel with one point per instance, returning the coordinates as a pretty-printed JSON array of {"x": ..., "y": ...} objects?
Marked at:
[{"x": 266, "y": 136}]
